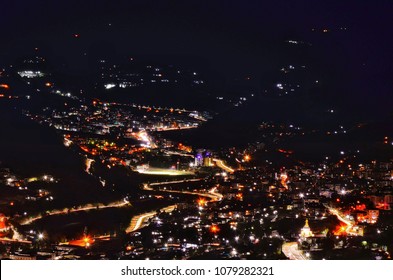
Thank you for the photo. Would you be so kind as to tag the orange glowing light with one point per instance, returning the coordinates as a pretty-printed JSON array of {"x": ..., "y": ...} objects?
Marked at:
[
  {"x": 86, "y": 241},
  {"x": 214, "y": 229},
  {"x": 48, "y": 84},
  {"x": 2, "y": 223},
  {"x": 4, "y": 86},
  {"x": 285, "y": 151},
  {"x": 201, "y": 202}
]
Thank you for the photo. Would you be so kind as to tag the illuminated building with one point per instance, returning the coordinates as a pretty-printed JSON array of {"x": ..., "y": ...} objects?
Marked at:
[
  {"x": 207, "y": 161},
  {"x": 3, "y": 221},
  {"x": 203, "y": 158},
  {"x": 383, "y": 202},
  {"x": 372, "y": 216},
  {"x": 306, "y": 231},
  {"x": 284, "y": 180},
  {"x": 368, "y": 216},
  {"x": 199, "y": 158}
]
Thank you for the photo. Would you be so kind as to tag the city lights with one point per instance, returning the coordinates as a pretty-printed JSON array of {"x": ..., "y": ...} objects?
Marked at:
[{"x": 119, "y": 142}]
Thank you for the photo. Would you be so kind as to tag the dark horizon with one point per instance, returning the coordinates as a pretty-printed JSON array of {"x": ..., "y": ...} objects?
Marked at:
[{"x": 232, "y": 41}]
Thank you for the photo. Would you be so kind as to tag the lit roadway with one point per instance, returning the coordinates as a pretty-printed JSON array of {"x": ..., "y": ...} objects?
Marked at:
[
  {"x": 73, "y": 210},
  {"x": 178, "y": 154},
  {"x": 88, "y": 165},
  {"x": 220, "y": 163},
  {"x": 341, "y": 218},
  {"x": 175, "y": 182},
  {"x": 211, "y": 194},
  {"x": 350, "y": 224},
  {"x": 175, "y": 128},
  {"x": 162, "y": 171},
  {"x": 137, "y": 222},
  {"x": 291, "y": 251},
  {"x": 9, "y": 240}
]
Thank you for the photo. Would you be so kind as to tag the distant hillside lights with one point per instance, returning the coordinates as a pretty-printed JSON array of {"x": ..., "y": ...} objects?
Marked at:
[{"x": 31, "y": 74}]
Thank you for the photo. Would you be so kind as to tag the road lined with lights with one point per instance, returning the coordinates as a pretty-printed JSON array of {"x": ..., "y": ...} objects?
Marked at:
[
  {"x": 341, "y": 218},
  {"x": 162, "y": 171},
  {"x": 175, "y": 182},
  {"x": 137, "y": 222},
  {"x": 349, "y": 224},
  {"x": 88, "y": 162},
  {"x": 220, "y": 163},
  {"x": 292, "y": 252},
  {"x": 73, "y": 210},
  {"x": 9, "y": 240},
  {"x": 212, "y": 194}
]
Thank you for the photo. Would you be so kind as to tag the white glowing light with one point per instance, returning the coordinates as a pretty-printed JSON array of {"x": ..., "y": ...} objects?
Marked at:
[{"x": 109, "y": 86}]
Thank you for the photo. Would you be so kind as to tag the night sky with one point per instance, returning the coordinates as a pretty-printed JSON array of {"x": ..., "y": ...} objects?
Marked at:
[{"x": 231, "y": 39}]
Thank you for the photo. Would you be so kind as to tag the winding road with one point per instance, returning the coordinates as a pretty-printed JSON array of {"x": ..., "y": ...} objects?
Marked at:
[
  {"x": 138, "y": 222},
  {"x": 349, "y": 229},
  {"x": 292, "y": 252},
  {"x": 220, "y": 163}
]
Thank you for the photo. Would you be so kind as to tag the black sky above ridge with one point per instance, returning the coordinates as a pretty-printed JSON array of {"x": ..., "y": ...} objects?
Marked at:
[{"x": 233, "y": 38}]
